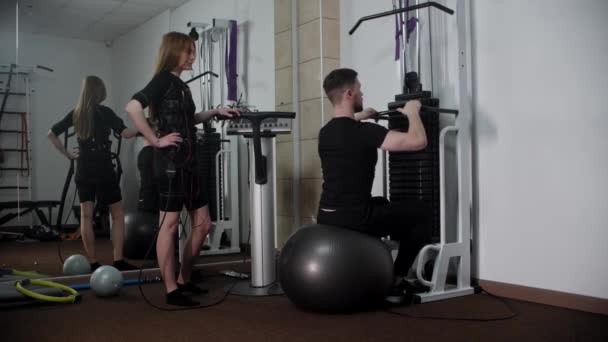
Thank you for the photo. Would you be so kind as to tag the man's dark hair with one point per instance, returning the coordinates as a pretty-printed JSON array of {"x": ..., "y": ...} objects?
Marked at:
[{"x": 336, "y": 81}]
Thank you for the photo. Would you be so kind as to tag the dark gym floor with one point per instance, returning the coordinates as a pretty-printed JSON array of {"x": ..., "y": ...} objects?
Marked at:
[{"x": 128, "y": 318}]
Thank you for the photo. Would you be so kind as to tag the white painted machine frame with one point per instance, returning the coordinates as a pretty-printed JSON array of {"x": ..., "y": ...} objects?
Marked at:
[
  {"x": 227, "y": 192},
  {"x": 461, "y": 248}
]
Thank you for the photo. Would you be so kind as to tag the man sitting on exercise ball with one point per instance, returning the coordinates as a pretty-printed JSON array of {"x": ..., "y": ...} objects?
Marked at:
[{"x": 348, "y": 152}]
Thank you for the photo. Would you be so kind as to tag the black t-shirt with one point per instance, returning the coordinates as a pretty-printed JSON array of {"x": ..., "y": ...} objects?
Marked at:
[
  {"x": 163, "y": 87},
  {"x": 95, "y": 160},
  {"x": 348, "y": 151},
  {"x": 156, "y": 89}
]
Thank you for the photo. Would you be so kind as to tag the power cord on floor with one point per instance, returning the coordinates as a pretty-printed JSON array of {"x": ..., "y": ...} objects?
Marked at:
[
  {"x": 249, "y": 273},
  {"x": 513, "y": 313}
]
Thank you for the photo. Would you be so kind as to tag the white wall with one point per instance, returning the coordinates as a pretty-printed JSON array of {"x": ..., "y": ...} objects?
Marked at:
[
  {"x": 540, "y": 115},
  {"x": 55, "y": 94},
  {"x": 539, "y": 112},
  {"x": 372, "y": 44},
  {"x": 134, "y": 54}
]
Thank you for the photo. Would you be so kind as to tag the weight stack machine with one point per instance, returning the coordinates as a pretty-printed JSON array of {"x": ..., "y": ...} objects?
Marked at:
[
  {"x": 415, "y": 175},
  {"x": 421, "y": 175},
  {"x": 209, "y": 144}
]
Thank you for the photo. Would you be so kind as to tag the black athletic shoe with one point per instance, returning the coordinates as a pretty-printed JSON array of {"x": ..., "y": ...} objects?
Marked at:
[
  {"x": 176, "y": 298},
  {"x": 95, "y": 266},
  {"x": 122, "y": 265},
  {"x": 396, "y": 294},
  {"x": 191, "y": 288},
  {"x": 400, "y": 293}
]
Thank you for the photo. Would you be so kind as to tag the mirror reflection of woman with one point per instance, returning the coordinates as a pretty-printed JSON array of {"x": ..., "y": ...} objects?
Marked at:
[
  {"x": 95, "y": 178},
  {"x": 172, "y": 111}
]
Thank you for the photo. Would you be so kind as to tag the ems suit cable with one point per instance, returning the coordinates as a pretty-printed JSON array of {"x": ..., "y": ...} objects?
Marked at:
[
  {"x": 430, "y": 47},
  {"x": 404, "y": 17},
  {"x": 17, "y": 32},
  {"x": 296, "y": 126},
  {"x": 222, "y": 55},
  {"x": 204, "y": 62},
  {"x": 397, "y": 42},
  {"x": 28, "y": 120},
  {"x": 208, "y": 78},
  {"x": 418, "y": 43},
  {"x": 199, "y": 44},
  {"x": 321, "y": 60},
  {"x": 7, "y": 90},
  {"x": 210, "y": 67},
  {"x": 399, "y": 26}
]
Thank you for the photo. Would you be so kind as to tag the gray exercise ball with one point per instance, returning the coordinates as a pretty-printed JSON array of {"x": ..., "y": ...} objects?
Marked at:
[
  {"x": 140, "y": 234},
  {"x": 76, "y": 264},
  {"x": 330, "y": 269},
  {"x": 106, "y": 281}
]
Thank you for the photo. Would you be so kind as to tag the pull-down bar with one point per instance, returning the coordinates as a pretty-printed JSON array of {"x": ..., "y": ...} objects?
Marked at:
[{"x": 401, "y": 10}]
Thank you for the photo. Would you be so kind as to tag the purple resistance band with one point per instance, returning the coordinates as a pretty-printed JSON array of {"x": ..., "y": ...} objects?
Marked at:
[
  {"x": 231, "y": 49},
  {"x": 411, "y": 26}
]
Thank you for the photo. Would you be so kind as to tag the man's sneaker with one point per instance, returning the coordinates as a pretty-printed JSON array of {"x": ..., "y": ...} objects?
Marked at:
[
  {"x": 398, "y": 293},
  {"x": 191, "y": 288}
]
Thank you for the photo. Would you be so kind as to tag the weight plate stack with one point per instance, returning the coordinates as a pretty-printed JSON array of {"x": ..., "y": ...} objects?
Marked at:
[
  {"x": 208, "y": 145},
  {"x": 415, "y": 175}
]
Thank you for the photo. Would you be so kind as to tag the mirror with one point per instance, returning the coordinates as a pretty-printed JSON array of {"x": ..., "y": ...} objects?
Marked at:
[{"x": 57, "y": 43}]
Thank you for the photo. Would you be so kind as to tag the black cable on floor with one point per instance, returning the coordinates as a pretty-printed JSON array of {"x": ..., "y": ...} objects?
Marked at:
[{"x": 513, "y": 313}]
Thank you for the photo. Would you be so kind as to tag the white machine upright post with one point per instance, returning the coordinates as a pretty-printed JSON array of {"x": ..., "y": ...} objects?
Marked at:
[
  {"x": 226, "y": 192},
  {"x": 460, "y": 248},
  {"x": 263, "y": 280},
  {"x": 263, "y": 271}
]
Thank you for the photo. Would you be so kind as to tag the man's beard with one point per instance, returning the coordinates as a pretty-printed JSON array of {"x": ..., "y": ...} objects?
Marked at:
[{"x": 358, "y": 107}]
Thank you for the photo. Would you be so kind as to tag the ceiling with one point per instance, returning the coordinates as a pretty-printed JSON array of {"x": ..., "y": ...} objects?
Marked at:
[{"x": 98, "y": 20}]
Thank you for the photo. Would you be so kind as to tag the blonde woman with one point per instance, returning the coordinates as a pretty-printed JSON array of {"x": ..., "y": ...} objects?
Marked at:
[
  {"x": 95, "y": 175},
  {"x": 172, "y": 112}
]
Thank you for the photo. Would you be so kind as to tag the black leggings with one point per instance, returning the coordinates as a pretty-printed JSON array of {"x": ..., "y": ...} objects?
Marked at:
[{"x": 408, "y": 222}]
